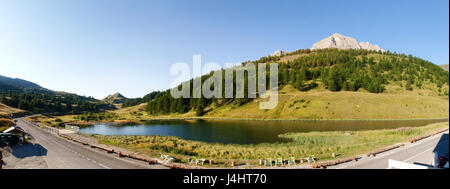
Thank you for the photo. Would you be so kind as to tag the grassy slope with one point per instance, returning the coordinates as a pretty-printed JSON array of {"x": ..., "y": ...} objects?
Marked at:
[
  {"x": 6, "y": 111},
  {"x": 5, "y": 123},
  {"x": 5, "y": 119},
  {"x": 321, "y": 104}
]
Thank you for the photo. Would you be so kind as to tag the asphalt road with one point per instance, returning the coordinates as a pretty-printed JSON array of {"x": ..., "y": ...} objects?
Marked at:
[
  {"x": 420, "y": 153},
  {"x": 54, "y": 152}
]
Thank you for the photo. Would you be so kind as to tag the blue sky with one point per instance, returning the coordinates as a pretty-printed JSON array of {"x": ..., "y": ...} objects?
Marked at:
[{"x": 99, "y": 47}]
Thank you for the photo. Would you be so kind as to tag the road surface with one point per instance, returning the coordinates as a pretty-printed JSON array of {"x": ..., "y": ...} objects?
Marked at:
[
  {"x": 46, "y": 150},
  {"x": 420, "y": 153}
]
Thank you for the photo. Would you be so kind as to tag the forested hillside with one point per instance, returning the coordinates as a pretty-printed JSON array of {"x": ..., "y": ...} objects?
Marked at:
[
  {"x": 331, "y": 69},
  {"x": 146, "y": 98}
]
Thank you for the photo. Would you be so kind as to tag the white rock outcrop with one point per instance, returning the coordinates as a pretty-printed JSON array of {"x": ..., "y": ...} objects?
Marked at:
[
  {"x": 278, "y": 53},
  {"x": 444, "y": 66},
  {"x": 343, "y": 42}
]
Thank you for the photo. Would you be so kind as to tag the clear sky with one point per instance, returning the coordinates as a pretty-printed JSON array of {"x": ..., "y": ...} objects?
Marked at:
[{"x": 99, "y": 47}]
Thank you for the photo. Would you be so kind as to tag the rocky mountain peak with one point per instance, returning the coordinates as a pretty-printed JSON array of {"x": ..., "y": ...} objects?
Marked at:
[{"x": 343, "y": 42}]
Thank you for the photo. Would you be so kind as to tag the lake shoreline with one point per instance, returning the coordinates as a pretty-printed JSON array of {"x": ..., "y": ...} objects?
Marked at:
[
  {"x": 244, "y": 131},
  {"x": 143, "y": 121}
]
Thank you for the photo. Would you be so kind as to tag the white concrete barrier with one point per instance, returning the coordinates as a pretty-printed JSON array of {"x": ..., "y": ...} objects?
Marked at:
[{"x": 394, "y": 164}]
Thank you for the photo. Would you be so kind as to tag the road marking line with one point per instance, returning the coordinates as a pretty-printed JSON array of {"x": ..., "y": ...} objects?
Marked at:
[
  {"x": 412, "y": 157},
  {"x": 104, "y": 166}
]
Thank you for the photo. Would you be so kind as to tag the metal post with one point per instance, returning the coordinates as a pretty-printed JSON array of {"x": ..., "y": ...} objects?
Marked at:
[{"x": 1, "y": 159}]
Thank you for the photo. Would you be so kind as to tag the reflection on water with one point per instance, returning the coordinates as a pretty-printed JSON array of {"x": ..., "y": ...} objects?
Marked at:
[{"x": 246, "y": 132}]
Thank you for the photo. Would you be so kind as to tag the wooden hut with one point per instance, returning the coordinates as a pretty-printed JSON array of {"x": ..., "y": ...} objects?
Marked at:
[{"x": 18, "y": 132}]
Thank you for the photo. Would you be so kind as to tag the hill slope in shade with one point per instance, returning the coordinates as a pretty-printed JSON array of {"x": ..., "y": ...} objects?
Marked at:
[{"x": 14, "y": 83}]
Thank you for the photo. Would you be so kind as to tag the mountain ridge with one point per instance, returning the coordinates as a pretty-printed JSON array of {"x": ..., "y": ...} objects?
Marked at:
[{"x": 14, "y": 83}]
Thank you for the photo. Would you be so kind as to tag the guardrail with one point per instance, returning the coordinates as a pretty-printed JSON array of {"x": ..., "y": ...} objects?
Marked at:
[
  {"x": 51, "y": 130},
  {"x": 371, "y": 154},
  {"x": 72, "y": 128},
  {"x": 426, "y": 136},
  {"x": 335, "y": 162}
]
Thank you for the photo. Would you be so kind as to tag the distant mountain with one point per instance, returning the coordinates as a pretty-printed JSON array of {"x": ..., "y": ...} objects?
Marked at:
[
  {"x": 343, "y": 42},
  {"x": 116, "y": 98},
  {"x": 15, "y": 83},
  {"x": 444, "y": 66}
]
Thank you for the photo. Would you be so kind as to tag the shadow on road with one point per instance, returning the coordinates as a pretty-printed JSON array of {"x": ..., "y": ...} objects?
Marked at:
[
  {"x": 441, "y": 151},
  {"x": 28, "y": 150},
  {"x": 442, "y": 146}
]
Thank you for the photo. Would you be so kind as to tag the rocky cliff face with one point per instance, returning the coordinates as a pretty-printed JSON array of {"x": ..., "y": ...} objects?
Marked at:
[{"x": 343, "y": 42}]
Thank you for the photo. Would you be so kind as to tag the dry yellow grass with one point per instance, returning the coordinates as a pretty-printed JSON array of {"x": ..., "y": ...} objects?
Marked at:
[
  {"x": 293, "y": 104},
  {"x": 6, "y": 111},
  {"x": 137, "y": 108}
]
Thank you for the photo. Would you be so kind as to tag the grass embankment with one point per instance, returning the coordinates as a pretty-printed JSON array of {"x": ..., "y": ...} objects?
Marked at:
[
  {"x": 5, "y": 116},
  {"x": 320, "y": 144},
  {"x": 5, "y": 124},
  {"x": 7, "y": 111}
]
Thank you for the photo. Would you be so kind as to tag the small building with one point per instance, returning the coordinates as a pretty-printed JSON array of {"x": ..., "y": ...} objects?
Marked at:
[
  {"x": 6, "y": 139},
  {"x": 18, "y": 132}
]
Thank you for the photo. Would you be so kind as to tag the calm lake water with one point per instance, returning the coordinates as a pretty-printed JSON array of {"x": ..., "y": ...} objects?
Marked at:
[{"x": 246, "y": 132}]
